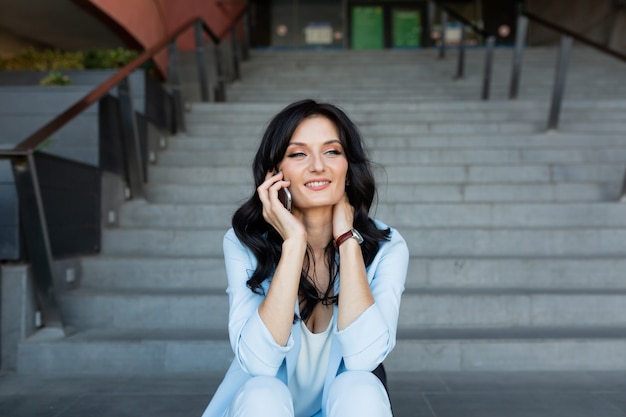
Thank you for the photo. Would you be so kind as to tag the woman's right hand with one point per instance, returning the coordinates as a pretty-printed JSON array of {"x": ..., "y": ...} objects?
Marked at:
[
  {"x": 276, "y": 309},
  {"x": 274, "y": 212}
]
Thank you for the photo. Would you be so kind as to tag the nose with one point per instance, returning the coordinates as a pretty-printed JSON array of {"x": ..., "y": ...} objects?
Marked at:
[{"x": 317, "y": 163}]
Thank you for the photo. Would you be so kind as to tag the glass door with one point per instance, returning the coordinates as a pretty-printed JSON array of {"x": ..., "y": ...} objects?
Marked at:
[
  {"x": 406, "y": 28},
  {"x": 367, "y": 27}
]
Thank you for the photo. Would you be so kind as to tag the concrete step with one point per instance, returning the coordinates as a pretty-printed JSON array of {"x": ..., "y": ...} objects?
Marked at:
[
  {"x": 469, "y": 123},
  {"x": 422, "y": 308},
  {"x": 412, "y": 117},
  {"x": 415, "y": 78},
  {"x": 423, "y": 68},
  {"x": 497, "y": 141},
  {"x": 529, "y": 272},
  {"x": 391, "y": 129},
  {"x": 495, "y": 308},
  {"x": 514, "y": 349},
  {"x": 599, "y": 273},
  {"x": 411, "y": 174},
  {"x": 106, "y": 273},
  {"x": 503, "y": 193},
  {"x": 419, "y": 85},
  {"x": 444, "y": 242},
  {"x": 126, "y": 352},
  {"x": 542, "y": 94},
  {"x": 139, "y": 214},
  {"x": 139, "y": 352},
  {"x": 503, "y": 215},
  {"x": 236, "y": 194},
  {"x": 380, "y": 109},
  {"x": 424, "y": 156},
  {"x": 194, "y": 194},
  {"x": 147, "y": 309}
]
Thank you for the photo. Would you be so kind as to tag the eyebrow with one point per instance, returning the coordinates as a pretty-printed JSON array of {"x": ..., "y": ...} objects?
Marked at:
[{"x": 325, "y": 143}]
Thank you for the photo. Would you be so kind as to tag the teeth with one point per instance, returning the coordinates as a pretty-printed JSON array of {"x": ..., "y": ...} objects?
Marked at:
[{"x": 316, "y": 183}]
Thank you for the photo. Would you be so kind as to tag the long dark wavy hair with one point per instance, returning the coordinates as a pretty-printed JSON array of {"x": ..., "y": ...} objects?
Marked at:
[{"x": 265, "y": 242}]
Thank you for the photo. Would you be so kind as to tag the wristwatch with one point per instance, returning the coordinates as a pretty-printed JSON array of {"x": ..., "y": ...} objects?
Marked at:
[{"x": 353, "y": 233}]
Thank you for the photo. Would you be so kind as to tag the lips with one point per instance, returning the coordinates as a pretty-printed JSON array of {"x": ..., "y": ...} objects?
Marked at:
[{"x": 316, "y": 184}]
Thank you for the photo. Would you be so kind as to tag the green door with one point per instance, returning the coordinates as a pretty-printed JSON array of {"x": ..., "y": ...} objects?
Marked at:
[
  {"x": 407, "y": 28},
  {"x": 368, "y": 28}
]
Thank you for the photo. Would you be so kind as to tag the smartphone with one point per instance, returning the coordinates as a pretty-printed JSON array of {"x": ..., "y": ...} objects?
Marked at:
[{"x": 285, "y": 197}]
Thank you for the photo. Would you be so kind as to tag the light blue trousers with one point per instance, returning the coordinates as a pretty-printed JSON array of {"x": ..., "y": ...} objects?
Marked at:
[{"x": 352, "y": 394}]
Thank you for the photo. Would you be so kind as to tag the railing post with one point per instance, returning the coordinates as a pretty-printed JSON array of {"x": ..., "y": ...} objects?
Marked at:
[
  {"x": 201, "y": 62},
  {"x": 460, "y": 70},
  {"x": 520, "y": 40},
  {"x": 245, "y": 50},
  {"x": 235, "y": 52},
  {"x": 432, "y": 8},
  {"x": 132, "y": 146},
  {"x": 220, "y": 89},
  {"x": 444, "y": 25},
  {"x": 623, "y": 192},
  {"x": 37, "y": 239},
  {"x": 491, "y": 40},
  {"x": 174, "y": 83},
  {"x": 559, "y": 82}
]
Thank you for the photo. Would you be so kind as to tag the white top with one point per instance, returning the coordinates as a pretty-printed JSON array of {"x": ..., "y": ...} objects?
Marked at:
[{"x": 307, "y": 383}]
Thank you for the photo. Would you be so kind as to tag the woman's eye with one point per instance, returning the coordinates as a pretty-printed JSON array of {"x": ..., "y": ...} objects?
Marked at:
[
  {"x": 295, "y": 155},
  {"x": 334, "y": 152}
]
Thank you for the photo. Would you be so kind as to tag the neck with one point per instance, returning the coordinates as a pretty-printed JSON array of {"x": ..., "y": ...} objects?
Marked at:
[{"x": 319, "y": 227}]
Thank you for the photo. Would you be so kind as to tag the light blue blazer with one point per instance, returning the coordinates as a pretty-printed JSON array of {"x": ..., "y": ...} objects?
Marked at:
[{"x": 362, "y": 346}]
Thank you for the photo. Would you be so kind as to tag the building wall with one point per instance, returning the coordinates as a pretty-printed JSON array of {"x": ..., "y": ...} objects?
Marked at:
[{"x": 591, "y": 18}]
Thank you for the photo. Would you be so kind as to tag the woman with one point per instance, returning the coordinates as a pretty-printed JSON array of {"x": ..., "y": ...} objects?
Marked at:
[{"x": 315, "y": 291}]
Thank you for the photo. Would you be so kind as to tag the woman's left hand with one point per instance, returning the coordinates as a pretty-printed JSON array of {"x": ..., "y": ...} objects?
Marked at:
[{"x": 343, "y": 216}]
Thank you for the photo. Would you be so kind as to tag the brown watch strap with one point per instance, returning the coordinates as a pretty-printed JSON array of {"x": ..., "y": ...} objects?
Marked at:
[{"x": 343, "y": 238}]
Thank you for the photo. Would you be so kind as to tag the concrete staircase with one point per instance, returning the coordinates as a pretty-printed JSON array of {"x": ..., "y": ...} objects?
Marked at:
[{"x": 518, "y": 243}]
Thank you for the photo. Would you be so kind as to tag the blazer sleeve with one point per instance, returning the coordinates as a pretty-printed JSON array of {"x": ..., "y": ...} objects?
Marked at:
[
  {"x": 253, "y": 345},
  {"x": 367, "y": 341}
]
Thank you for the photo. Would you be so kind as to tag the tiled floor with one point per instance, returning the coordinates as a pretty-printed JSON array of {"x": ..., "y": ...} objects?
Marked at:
[{"x": 527, "y": 394}]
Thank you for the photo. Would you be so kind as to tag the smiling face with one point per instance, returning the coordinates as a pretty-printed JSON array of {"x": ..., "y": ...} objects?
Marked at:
[{"x": 316, "y": 164}]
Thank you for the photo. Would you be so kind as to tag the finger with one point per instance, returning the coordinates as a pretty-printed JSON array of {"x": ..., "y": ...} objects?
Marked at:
[
  {"x": 270, "y": 178},
  {"x": 274, "y": 190},
  {"x": 268, "y": 192}
]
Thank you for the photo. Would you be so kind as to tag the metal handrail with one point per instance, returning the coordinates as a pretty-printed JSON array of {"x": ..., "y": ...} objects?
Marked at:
[
  {"x": 38, "y": 137},
  {"x": 23, "y": 163},
  {"x": 567, "y": 37},
  {"x": 489, "y": 42}
]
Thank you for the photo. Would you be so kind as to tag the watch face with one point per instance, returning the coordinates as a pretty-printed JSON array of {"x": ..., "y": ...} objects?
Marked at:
[{"x": 357, "y": 236}]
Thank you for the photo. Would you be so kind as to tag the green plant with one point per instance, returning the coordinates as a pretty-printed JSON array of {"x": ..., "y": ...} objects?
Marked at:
[
  {"x": 43, "y": 60},
  {"x": 109, "y": 58},
  {"x": 55, "y": 78},
  {"x": 53, "y": 59}
]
